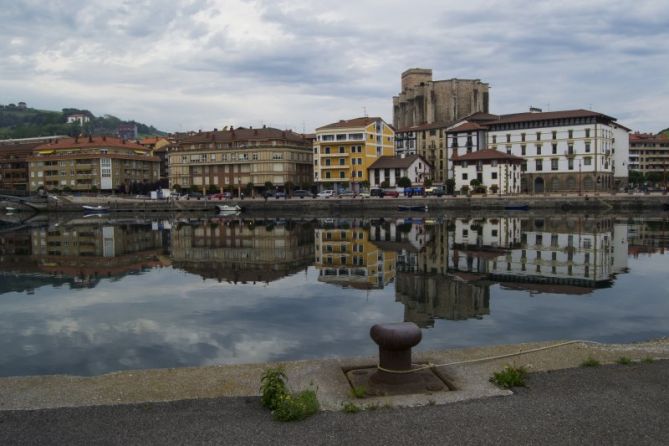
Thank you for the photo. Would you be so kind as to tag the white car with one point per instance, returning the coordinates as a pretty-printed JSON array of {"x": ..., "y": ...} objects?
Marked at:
[{"x": 327, "y": 193}]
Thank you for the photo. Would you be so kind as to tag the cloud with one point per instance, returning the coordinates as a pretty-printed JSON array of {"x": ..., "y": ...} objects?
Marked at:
[{"x": 303, "y": 63}]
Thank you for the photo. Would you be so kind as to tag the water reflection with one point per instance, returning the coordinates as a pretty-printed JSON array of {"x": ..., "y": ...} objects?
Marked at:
[{"x": 167, "y": 293}]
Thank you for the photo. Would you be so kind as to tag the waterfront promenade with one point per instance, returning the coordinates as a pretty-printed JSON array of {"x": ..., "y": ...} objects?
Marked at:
[{"x": 613, "y": 405}]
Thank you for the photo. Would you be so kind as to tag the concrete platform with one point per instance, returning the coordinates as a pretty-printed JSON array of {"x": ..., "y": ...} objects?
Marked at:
[{"x": 469, "y": 379}]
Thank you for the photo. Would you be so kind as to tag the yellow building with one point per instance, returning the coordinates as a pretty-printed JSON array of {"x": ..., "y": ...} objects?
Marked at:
[
  {"x": 346, "y": 257},
  {"x": 344, "y": 150}
]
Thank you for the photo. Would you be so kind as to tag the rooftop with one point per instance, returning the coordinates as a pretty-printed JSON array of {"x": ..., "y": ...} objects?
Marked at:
[
  {"x": 351, "y": 123},
  {"x": 90, "y": 141},
  {"x": 243, "y": 134},
  {"x": 393, "y": 162}
]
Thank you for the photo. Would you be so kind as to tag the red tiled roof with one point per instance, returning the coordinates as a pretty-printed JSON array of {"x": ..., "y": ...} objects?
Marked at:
[
  {"x": 542, "y": 116},
  {"x": 487, "y": 154},
  {"x": 393, "y": 162},
  {"x": 92, "y": 141},
  {"x": 350, "y": 123},
  {"x": 648, "y": 138}
]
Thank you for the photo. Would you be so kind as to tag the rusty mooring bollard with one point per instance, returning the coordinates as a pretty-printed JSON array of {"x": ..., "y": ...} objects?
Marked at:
[{"x": 395, "y": 341}]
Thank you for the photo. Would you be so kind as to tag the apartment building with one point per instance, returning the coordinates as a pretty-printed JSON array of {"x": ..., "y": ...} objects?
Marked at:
[
  {"x": 91, "y": 163},
  {"x": 648, "y": 152},
  {"x": 344, "y": 151},
  {"x": 428, "y": 141},
  {"x": 563, "y": 151},
  {"x": 241, "y": 158}
]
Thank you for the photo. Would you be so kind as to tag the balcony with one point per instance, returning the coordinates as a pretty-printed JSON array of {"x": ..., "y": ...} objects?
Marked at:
[
  {"x": 569, "y": 153},
  {"x": 336, "y": 166}
]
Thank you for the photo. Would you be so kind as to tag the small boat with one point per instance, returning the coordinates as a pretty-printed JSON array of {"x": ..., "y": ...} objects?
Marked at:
[
  {"x": 419, "y": 208},
  {"x": 517, "y": 207},
  {"x": 97, "y": 208},
  {"x": 228, "y": 208},
  {"x": 10, "y": 209}
]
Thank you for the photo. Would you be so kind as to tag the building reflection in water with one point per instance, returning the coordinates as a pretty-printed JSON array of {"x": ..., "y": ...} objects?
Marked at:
[
  {"x": 357, "y": 254},
  {"x": 243, "y": 250},
  {"x": 79, "y": 252}
]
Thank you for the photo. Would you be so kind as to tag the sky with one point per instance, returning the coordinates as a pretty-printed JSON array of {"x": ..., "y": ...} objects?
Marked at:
[{"x": 300, "y": 64}]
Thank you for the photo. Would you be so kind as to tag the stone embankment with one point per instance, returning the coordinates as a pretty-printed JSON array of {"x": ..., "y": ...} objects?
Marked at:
[{"x": 337, "y": 206}]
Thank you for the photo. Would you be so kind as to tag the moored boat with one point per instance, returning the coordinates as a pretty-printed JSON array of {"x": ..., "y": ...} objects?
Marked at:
[
  {"x": 97, "y": 208},
  {"x": 228, "y": 208}
]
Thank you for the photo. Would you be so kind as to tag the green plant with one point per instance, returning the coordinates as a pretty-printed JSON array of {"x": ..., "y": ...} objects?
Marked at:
[
  {"x": 359, "y": 392},
  {"x": 273, "y": 387},
  {"x": 296, "y": 407},
  {"x": 350, "y": 407},
  {"x": 648, "y": 360},
  {"x": 374, "y": 406},
  {"x": 624, "y": 360},
  {"x": 509, "y": 377},
  {"x": 494, "y": 188},
  {"x": 590, "y": 362},
  {"x": 404, "y": 182}
]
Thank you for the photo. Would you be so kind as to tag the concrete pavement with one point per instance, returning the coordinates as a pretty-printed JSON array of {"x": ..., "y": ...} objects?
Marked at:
[{"x": 612, "y": 405}]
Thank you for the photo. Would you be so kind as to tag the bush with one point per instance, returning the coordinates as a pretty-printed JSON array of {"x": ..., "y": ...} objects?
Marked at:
[
  {"x": 284, "y": 405},
  {"x": 494, "y": 188},
  {"x": 404, "y": 182},
  {"x": 510, "y": 377},
  {"x": 590, "y": 362},
  {"x": 296, "y": 407},
  {"x": 273, "y": 387}
]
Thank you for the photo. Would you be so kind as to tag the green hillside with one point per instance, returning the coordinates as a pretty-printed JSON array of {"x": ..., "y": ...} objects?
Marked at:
[{"x": 18, "y": 122}]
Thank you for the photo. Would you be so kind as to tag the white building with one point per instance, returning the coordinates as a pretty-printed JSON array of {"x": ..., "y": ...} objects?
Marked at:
[
  {"x": 493, "y": 169},
  {"x": 391, "y": 169},
  {"x": 563, "y": 151},
  {"x": 79, "y": 117}
]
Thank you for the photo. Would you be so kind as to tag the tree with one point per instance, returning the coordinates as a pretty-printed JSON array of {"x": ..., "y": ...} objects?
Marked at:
[
  {"x": 636, "y": 177},
  {"x": 404, "y": 182},
  {"x": 213, "y": 189},
  {"x": 450, "y": 186},
  {"x": 475, "y": 182},
  {"x": 494, "y": 188},
  {"x": 269, "y": 186},
  {"x": 385, "y": 183},
  {"x": 464, "y": 189},
  {"x": 427, "y": 183},
  {"x": 177, "y": 187},
  {"x": 248, "y": 190}
]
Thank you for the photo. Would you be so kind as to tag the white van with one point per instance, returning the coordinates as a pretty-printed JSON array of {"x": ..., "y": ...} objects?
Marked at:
[{"x": 327, "y": 193}]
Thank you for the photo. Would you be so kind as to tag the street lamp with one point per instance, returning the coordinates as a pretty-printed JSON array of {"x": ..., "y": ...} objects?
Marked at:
[{"x": 580, "y": 179}]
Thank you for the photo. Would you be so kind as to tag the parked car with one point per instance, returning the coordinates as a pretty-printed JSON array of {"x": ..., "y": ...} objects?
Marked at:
[
  {"x": 364, "y": 195},
  {"x": 414, "y": 190},
  {"x": 384, "y": 193},
  {"x": 436, "y": 190},
  {"x": 301, "y": 193},
  {"x": 327, "y": 193}
]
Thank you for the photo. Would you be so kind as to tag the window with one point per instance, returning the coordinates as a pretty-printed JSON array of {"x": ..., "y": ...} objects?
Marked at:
[
  {"x": 464, "y": 176},
  {"x": 342, "y": 149},
  {"x": 554, "y": 164},
  {"x": 539, "y": 165},
  {"x": 587, "y": 133},
  {"x": 587, "y": 147},
  {"x": 522, "y": 137},
  {"x": 538, "y": 136},
  {"x": 341, "y": 175},
  {"x": 554, "y": 134},
  {"x": 523, "y": 167},
  {"x": 493, "y": 175},
  {"x": 538, "y": 149},
  {"x": 522, "y": 149},
  {"x": 571, "y": 134},
  {"x": 554, "y": 149},
  {"x": 508, "y": 137},
  {"x": 570, "y": 164},
  {"x": 587, "y": 161}
]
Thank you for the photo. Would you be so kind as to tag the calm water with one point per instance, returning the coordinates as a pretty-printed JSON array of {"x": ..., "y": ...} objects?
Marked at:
[{"x": 90, "y": 296}]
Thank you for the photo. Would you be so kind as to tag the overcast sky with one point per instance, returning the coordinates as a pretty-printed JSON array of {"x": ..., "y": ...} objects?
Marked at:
[{"x": 200, "y": 64}]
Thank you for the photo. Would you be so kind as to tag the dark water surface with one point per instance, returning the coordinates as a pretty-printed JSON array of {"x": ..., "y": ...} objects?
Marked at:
[{"x": 89, "y": 296}]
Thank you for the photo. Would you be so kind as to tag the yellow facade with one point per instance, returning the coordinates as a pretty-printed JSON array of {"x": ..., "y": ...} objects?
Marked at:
[
  {"x": 347, "y": 257},
  {"x": 344, "y": 151}
]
